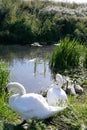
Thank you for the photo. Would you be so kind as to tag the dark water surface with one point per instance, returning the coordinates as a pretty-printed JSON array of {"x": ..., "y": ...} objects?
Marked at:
[{"x": 29, "y": 66}]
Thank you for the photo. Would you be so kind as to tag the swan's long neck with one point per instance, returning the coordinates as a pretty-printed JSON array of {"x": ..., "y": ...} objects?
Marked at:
[
  {"x": 74, "y": 84},
  {"x": 67, "y": 84},
  {"x": 17, "y": 87},
  {"x": 59, "y": 84},
  {"x": 59, "y": 80}
]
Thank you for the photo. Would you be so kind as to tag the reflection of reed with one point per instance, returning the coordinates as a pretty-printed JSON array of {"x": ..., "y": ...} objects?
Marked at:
[
  {"x": 44, "y": 68},
  {"x": 36, "y": 62},
  {"x": 18, "y": 53},
  {"x": 35, "y": 67}
]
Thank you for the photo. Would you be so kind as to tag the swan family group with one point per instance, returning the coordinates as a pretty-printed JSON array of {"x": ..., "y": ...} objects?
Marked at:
[{"x": 35, "y": 106}]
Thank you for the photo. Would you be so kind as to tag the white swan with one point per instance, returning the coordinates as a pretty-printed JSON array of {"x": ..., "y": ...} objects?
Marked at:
[
  {"x": 56, "y": 95},
  {"x": 31, "y": 105}
]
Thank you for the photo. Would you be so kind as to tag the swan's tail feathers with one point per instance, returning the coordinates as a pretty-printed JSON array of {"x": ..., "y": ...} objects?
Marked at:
[
  {"x": 53, "y": 110},
  {"x": 61, "y": 108},
  {"x": 57, "y": 109}
]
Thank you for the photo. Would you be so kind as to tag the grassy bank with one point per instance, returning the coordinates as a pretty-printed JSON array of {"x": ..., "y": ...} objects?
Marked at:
[
  {"x": 41, "y": 21},
  {"x": 72, "y": 118}
]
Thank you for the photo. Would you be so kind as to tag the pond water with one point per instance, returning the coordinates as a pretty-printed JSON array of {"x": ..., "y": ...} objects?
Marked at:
[{"x": 29, "y": 66}]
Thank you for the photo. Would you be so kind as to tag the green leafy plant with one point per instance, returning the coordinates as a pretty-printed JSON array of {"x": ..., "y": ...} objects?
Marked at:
[{"x": 66, "y": 55}]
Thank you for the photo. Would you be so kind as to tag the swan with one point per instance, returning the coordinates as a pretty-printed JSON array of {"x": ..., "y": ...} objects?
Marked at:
[
  {"x": 29, "y": 105},
  {"x": 56, "y": 95},
  {"x": 78, "y": 88},
  {"x": 69, "y": 89},
  {"x": 73, "y": 89}
]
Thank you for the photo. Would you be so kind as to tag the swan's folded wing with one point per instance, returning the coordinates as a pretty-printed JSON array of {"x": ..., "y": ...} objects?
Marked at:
[
  {"x": 28, "y": 103},
  {"x": 31, "y": 106}
]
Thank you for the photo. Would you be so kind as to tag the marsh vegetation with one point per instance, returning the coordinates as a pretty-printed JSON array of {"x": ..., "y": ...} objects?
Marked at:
[{"x": 68, "y": 55}]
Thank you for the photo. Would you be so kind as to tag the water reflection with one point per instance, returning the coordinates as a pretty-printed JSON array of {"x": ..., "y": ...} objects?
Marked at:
[{"x": 29, "y": 66}]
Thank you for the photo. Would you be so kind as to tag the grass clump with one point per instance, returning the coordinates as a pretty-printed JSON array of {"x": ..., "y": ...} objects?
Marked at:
[
  {"x": 4, "y": 75},
  {"x": 66, "y": 55},
  {"x": 8, "y": 118},
  {"x": 6, "y": 114}
]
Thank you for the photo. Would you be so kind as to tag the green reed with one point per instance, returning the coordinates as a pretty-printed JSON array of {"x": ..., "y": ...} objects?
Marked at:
[
  {"x": 4, "y": 75},
  {"x": 66, "y": 55}
]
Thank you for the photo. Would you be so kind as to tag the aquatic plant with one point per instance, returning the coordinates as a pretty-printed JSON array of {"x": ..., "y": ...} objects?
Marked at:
[{"x": 66, "y": 55}]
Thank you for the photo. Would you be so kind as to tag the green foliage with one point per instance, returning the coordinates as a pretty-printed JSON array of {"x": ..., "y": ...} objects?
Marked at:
[
  {"x": 6, "y": 114},
  {"x": 4, "y": 75},
  {"x": 66, "y": 55},
  {"x": 31, "y": 21},
  {"x": 81, "y": 31},
  {"x": 79, "y": 106}
]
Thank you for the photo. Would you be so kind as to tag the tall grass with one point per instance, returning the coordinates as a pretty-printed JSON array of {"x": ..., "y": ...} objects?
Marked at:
[
  {"x": 5, "y": 113},
  {"x": 66, "y": 55},
  {"x": 4, "y": 75}
]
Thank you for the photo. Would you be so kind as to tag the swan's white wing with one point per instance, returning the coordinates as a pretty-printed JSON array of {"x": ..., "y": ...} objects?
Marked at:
[{"x": 29, "y": 105}]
